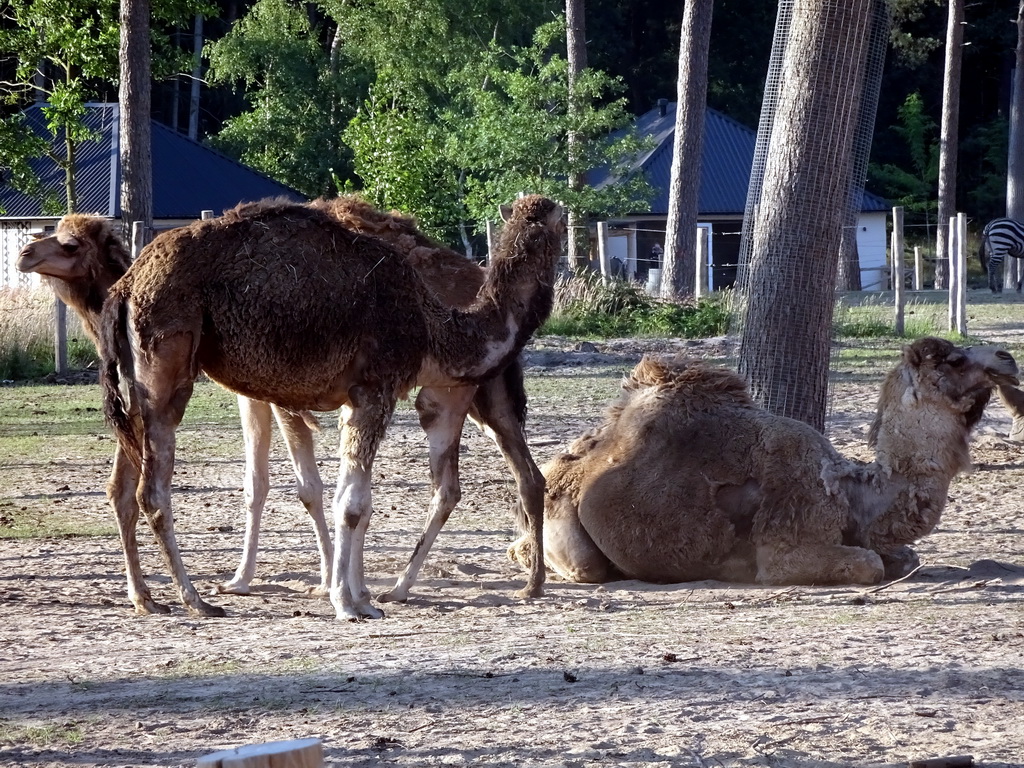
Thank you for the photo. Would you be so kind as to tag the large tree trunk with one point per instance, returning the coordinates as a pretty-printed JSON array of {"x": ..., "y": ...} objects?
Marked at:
[
  {"x": 797, "y": 230},
  {"x": 576, "y": 49},
  {"x": 197, "y": 79},
  {"x": 948, "y": 138},
  {"x": 680, "y": 259},
  {"x": 136, "y": 153}
]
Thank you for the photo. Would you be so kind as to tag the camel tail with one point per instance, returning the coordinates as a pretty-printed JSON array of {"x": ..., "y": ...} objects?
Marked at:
[{"x": 117, "y": 358}]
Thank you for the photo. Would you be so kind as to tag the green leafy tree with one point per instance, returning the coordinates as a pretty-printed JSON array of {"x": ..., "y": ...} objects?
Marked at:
[
  {"x": 64, "y": 53},
  {"x": 301, "y": 89},
  {"x": 914, "y": 187},
  {"x": 59, "y": 47},
  {"x": 503, "y": 129}
]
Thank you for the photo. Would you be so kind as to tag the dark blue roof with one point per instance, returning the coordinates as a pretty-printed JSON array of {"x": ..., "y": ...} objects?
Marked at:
[
  {"x": 726, "y": 161},
  {"x": 188, "y": 177}
]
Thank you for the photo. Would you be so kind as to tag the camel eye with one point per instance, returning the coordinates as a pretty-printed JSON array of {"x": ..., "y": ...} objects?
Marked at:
[{"x": 70, "y": 247}]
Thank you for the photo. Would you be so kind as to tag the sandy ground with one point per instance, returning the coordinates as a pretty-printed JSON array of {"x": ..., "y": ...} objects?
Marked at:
[{"x": 623, "y": 674}]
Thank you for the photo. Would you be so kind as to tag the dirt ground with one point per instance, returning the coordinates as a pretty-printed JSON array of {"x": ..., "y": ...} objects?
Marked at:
[{"x": 623, "y": 674}]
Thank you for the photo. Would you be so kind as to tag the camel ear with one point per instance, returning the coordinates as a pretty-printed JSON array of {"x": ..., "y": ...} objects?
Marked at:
[
  {"x": 911, "y": 355},
  {"x": 555, "y": 216},
  {"x": 506, "y": 212}
]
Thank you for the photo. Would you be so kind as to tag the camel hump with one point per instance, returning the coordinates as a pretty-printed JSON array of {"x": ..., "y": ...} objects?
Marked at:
[{"x": 700, "y": 384}]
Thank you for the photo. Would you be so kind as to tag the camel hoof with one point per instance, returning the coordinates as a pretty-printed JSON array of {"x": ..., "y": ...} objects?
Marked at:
[
  {"x": 324, "y": 590},
  {"x": 359, "y": 613},
  {"x": 1017, "y": 431},
  {"x": 529, "y": 592},
  {"x": 150, "y": 607},
  {"x": 899, "y": 563},
  {"x": 394, "y": 596},
  {"x": 205, "y": 609},
  {"x": 231, "y": 588}
]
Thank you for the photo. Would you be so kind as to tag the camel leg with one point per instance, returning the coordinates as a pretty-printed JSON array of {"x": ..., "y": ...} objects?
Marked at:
[
  {"x": 298, "y": 437},
  {"x": 255, "y": 418},
  {"x": 818, "y": 564},
  {"x": 496, "y": 414},
  {"x": 442, "y": 413},
  {"x": 121, "y": 489},
  {"x": 1013, "y": 399},
  {"x": 568, "y": 549},
  {"x": 363, "y": 423},
  {"x": 165, "y": 382}
]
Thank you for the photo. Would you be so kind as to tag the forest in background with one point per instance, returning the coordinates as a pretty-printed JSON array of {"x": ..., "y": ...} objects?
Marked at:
[{"x": 441, "y": 100}]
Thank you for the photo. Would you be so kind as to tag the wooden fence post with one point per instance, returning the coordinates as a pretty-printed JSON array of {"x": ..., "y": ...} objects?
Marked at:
[
  {"x": 602, "y": 250},
  {"x": 60, "y": 338},
  {"x": 957, "y": 274},
  {"x": 897, "y": 267},
  {"x": 492, "y": 240},
  {"x": 701, "y": 285},
  {"x": 298, "y": 753},
  {"x": 961, "y": 270}
]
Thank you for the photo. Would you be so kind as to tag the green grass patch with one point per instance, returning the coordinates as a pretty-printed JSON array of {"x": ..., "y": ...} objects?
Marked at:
[{"x": 47, "y": 734}]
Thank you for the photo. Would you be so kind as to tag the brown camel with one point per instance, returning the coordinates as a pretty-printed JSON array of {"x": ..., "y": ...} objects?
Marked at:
[
  {"x": 281, "y": 303},
  {"x": 687, "y": 479},
  {"x": 84, "y": 257}
]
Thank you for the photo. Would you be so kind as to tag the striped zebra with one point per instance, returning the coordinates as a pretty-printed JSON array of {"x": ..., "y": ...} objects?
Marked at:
[{"x": 1001, "y": 237}]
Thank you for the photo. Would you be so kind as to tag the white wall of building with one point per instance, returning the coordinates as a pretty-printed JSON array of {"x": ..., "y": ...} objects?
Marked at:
[{"x": 871, "y": 246}]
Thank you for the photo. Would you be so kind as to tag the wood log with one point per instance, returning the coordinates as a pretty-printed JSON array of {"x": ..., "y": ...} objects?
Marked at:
[
  {"x": 298, "y": 753},
  {"x": 954, "y": 761}
]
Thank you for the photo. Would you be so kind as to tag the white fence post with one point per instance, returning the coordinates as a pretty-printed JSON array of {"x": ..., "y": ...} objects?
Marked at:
[
  {"x": 602, "y": 250},
  {"x": 961, "y": 270},
  {"x": 918, "y": 269},
  {"x": 896, "y": 261},
  {"x": 701, "y": 285},
  {"x": 60, "y": 338},
  {"x": 492, "y": 239}
]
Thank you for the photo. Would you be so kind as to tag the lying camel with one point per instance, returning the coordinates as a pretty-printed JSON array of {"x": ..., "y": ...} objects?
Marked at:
[{"x": 688, "y": 479}]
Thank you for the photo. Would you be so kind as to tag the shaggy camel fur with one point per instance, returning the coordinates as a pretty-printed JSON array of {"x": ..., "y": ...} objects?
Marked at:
[
  {"x": 83, "y": 258},
  {"x": 687, "y": 479},
  {"x": 262, "y": 300}
]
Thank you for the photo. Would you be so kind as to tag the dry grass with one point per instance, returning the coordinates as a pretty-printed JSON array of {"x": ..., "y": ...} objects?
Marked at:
[{"x": 27, "y": 333}]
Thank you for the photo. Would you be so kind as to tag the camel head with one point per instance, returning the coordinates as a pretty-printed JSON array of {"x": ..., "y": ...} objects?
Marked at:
[
  {"x": 79, "y": 261},
  {"x": 938, "y": 391},
  {"x": 81, "y": 247}
]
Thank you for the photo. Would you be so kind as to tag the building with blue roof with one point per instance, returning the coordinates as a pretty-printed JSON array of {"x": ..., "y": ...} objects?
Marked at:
[
  {"x": 637, "y": 240},
  {"x": 188, "y": 178}
]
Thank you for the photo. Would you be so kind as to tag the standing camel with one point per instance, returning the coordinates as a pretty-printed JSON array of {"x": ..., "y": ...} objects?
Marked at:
[
  {"x": 281, "y": 303},
  {"x": 83, "y": 258}
]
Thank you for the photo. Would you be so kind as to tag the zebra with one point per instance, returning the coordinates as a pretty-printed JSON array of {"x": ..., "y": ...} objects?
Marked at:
[{"x": 999, "y": 238}]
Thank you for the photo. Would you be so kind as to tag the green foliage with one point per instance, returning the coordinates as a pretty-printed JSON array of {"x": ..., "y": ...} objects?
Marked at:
[
  {"x": 73, "y": 46},
  {"x": 497, "y": 125},
  {"x": 915, "y": 189},
  {"x": 584, "y": 306},
  {"x": 294, "y": 89}
]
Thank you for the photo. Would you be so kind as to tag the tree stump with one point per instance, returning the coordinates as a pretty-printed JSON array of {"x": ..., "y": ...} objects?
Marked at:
[{"x": 299, "y": 753}]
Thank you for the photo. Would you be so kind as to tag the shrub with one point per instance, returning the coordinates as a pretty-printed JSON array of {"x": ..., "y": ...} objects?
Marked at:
[{"x": 586, "y": 306}]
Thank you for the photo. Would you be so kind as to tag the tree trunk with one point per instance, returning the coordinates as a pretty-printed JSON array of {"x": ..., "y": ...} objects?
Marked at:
[
  {"x": 791, "y": 280},
  {"x": 576, "y": 48},
  {"x": 948, "y": 138},
  {"x": 1015, "y": 154},
  {"x": 680, "y": 259},
  {"x": 197, "y": 79},
  {"x": 136, "y": 153}
]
